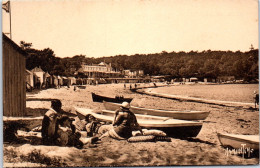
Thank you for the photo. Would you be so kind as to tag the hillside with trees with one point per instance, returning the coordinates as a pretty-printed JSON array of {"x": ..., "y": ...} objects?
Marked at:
[{"x": 242, "y": 65}]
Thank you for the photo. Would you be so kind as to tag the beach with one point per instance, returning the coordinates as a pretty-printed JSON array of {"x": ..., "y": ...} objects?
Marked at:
[{"x": 205, "y": 149}]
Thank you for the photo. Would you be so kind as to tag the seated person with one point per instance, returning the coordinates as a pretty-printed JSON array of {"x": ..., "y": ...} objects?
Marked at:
[
  {"x": 49, "y": 122},
  {"x": 124, "y": 123},
  {"x": 66, "y": 135},
  {"x": 94, "y": 127}
]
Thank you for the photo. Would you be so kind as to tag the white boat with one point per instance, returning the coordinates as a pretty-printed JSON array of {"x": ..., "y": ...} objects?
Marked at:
[
  {"x": 239, "y": 141},
  {"x": 172, "y": 127},
  {"x": 183, "y": 115}
]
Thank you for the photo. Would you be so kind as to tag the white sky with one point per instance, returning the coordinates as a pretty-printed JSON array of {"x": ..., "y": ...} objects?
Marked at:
[{"x": 98, "y": 28}]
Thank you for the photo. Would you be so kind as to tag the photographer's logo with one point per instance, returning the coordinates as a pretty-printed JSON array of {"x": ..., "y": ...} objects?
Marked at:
[{"x": 245, "y": 151}]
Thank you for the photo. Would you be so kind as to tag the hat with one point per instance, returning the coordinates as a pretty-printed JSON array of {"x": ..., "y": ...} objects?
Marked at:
[{"x": 125, "y": 105}]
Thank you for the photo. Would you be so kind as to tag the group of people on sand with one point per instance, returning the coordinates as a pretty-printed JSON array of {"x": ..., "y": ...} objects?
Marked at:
[
  {"x": 130, "y": 86},
  {"x": 59, "y": 129}
]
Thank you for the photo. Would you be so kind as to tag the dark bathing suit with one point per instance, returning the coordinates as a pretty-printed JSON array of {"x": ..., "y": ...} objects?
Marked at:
[{"x": 125, "y": 122}]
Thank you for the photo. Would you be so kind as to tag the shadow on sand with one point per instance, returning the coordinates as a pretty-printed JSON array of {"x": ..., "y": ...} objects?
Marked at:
[{"x": 199, "y": 140}]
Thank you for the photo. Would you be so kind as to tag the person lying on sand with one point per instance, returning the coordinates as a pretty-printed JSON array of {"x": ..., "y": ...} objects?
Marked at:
[{"x": 124, "y": 123}]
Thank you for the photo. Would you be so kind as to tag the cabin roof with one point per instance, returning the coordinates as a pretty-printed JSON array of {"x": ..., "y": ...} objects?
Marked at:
[
  {"x": 37, "y": 69},
  {"x": 12, "y": 43},
  {"x": 28, "y": 72}
]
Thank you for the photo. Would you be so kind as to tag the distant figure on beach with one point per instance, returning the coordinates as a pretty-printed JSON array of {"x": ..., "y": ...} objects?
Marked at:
[
  {"x": 38, "y": 84},
  {"x": 135, "y": 85},
  {"x": 49, "y": 123},
  {"x": 130, "y": 86},
  {"x": 124, "y": 123},
  {"x": 124, "y": 86},
  {"x": 75, "y": 88},
  {"x": 256, "y": 97}
]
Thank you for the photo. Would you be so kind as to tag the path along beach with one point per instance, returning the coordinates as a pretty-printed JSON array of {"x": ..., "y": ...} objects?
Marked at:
[{"x": 205, "y": 149}]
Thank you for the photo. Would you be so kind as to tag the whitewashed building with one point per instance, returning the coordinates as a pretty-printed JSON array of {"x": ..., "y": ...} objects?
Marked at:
[{"x": 100, "y": 70}]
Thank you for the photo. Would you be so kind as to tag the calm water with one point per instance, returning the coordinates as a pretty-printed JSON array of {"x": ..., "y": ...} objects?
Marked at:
[{"x": 228, "y": 92}]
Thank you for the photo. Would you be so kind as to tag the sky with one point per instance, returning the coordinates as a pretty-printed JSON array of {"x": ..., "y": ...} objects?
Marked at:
[{"x": 98, "y": 28}]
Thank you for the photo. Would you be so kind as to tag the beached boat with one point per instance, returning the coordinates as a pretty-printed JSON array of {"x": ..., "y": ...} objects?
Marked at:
[
  {"x": 183, "y": 115},
  {"x": 239, "y": 141},
  {"x": 116, "y": 99},
  {"x": 172, "y": 127}
]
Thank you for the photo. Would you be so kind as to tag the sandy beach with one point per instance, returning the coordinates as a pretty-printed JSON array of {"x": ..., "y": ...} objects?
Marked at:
[{"x": 205, "y": 149}]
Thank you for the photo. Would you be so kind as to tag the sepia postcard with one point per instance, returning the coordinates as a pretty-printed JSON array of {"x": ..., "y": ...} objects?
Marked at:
[{"x": 100, "y": 83}]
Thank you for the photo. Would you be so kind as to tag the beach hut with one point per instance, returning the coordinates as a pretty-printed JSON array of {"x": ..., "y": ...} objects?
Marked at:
[
  {"x": 38, "y": 76},
  {"x": 79, "y": 81},
  {"x": 193, "y": 79},
  {"x": 60, "y": 81},
  {"x": 85, "y": 81},
  {"x": 47, "y": 79},
  {"x": 90, "y": 81},
  {"x": 72, "y": 80},
  {"x": 209, "y": 80},
  {"x": 65, "y": 81},
  {"x": 55, "y": 81},
  {"x": 51, "y": 80},
  {"x": 187, "y": 80},
  {"x": 227, "y": 79},
  {"x": 29, "y": 79},
  {"x": 158, "y": 78},
  {"x": 14, "y": 78}
]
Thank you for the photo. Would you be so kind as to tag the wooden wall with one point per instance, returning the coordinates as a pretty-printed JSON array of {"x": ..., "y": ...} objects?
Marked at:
[{"x": 14, "y": 91}]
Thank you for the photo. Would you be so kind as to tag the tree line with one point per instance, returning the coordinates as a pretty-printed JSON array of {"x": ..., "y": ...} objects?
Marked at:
[{"x": 211, "y": 64}]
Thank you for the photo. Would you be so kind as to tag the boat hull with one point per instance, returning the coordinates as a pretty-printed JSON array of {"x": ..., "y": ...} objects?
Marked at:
[
  {"x": 179, "y": 132},
  {"x": 182, "y": 115},
  {"x": 238, "y": 141},
  {"x": 172, "y": 127},
  {"x": 98, "y": 98}
]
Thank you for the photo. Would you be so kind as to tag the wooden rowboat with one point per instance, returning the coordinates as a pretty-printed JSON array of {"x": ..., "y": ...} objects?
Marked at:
[
  {"x": 116, "y": 99},
  {"x": 172, "y": 127},
  {"x": 239, "y": 141},
  {"x": 183, "y": 115}
]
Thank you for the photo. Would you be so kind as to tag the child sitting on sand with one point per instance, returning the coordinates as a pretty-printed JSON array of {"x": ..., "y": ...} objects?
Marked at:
[
  {"x": 66, "y": 135},
  {"x": 92, "y": 125}
]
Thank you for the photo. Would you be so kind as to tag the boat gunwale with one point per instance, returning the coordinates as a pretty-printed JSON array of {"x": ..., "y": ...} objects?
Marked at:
[
  {"x": 220, "y": 135},
  {"x": 142, "y": 115},
  {"x": 166, "y": 125},
  {"x": 161, "y": 110}
]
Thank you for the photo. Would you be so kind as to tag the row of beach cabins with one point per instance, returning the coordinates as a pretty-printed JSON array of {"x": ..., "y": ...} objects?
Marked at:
[{"x": 38, "y": 79}]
